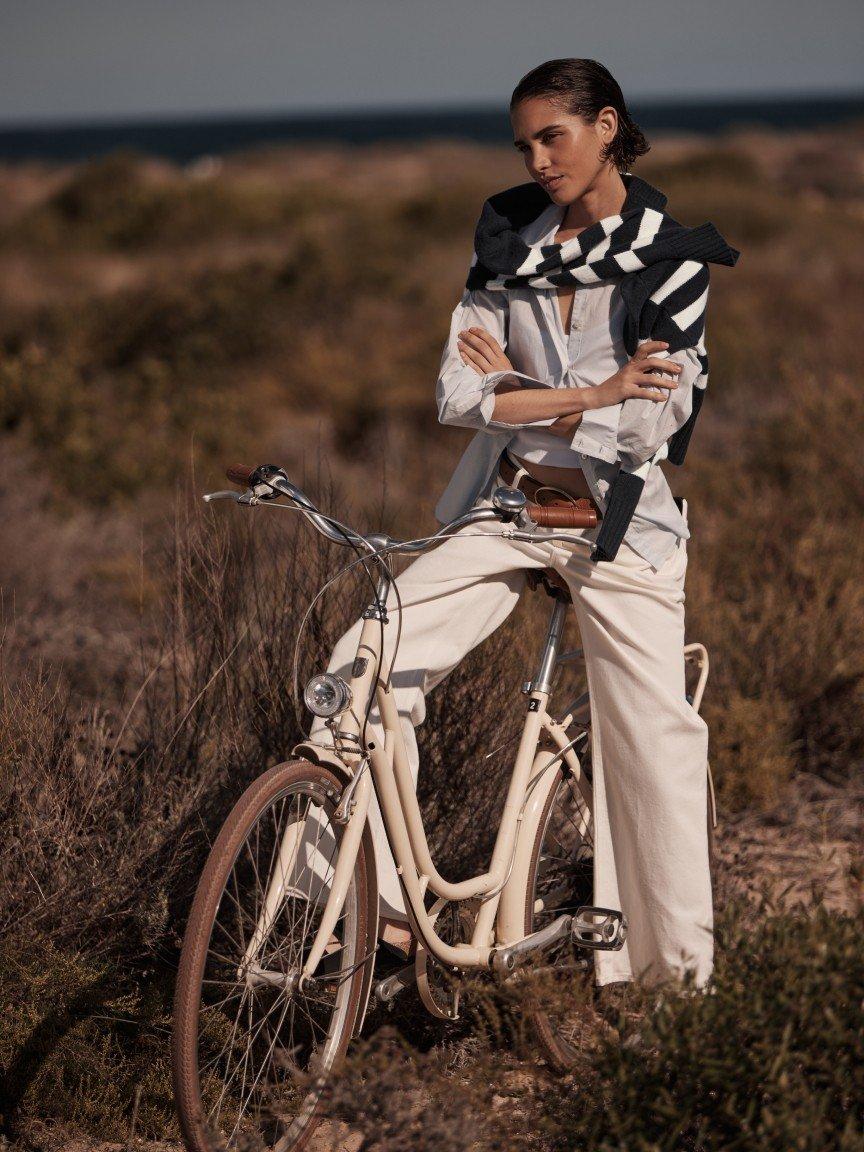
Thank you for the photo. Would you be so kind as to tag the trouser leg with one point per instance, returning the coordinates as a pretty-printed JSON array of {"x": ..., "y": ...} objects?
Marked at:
[
  {"x": 453, "y": 598},
  {"x": 649, "y": 758}
]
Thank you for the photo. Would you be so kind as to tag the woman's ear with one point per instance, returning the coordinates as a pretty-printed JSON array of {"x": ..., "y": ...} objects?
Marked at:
[{"x": 606, "y": 125}]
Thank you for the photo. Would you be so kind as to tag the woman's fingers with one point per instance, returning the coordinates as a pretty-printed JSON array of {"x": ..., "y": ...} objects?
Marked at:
[
  {"x": 480, "y": 338},
  {"x": 660, "y": 365},
  {"x": 483, "y": 343},
  {"x": 648, "y": 347},
  {"x": 481, "y": 350},
  {"x": 474, "y": 358},
  {"x": 651, "y": 382}
]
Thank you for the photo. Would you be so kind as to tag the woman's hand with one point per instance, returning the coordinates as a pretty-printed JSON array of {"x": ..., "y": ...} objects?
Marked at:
[
  {"x": 482, "y": 351},
  {"x": 634, "y": 380}
]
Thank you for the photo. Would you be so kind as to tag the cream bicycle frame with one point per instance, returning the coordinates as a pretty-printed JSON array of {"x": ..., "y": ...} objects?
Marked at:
[{"x": 502, "y": 888}]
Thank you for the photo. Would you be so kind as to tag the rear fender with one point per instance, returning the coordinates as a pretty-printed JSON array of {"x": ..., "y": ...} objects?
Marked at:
[{"x": 510, "y": 925}]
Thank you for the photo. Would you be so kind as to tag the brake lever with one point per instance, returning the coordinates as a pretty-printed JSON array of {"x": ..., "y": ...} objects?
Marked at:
[
  {"x": 257, "y": 495},
  {"x": 211, "y": 496}
]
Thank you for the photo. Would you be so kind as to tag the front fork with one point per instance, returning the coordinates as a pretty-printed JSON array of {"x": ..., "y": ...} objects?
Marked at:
[
  {"x": 352, "y": 811},
  {"x": 280, "y": 884}
]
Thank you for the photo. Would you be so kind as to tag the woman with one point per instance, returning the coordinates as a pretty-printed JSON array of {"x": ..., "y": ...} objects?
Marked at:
[{"x": 537, "y": 362}]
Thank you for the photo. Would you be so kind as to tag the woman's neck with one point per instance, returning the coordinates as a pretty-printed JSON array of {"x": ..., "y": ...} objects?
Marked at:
[{"x": 601, "y": 200}]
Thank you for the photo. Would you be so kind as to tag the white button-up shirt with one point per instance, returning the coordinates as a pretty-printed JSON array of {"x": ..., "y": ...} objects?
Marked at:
[{"x": 526, "y": 322}]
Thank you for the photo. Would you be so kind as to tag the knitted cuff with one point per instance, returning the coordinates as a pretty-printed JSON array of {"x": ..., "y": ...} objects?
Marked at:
[
  {"x": 679, "y": 441},
  {"x": 620, "y": 506}
]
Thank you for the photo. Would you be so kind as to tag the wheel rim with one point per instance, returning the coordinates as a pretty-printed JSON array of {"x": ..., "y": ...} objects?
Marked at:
[
  {"x": 563, "y": 881},
  {"x": 260, "y": 1036}
]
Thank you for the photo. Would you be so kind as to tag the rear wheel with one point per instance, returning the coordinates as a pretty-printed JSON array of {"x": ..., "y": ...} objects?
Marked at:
[
  {"x": 560, "y": 880},
  {"x": 252, "y": 1049}
]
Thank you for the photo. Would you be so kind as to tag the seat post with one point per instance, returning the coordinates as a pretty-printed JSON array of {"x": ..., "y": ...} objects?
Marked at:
[{"x": 543, "y": 680}]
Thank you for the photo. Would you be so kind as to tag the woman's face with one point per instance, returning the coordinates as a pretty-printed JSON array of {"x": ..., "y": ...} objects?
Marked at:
[{"x": 555, "y": 143}]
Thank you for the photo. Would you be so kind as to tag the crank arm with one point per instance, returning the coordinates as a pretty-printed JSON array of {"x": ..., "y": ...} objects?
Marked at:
[
  {"x": 504, "y": 960},
  {"x": 389, "y": 988}
]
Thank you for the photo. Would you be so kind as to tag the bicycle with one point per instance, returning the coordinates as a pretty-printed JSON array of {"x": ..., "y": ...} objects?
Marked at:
[{"x": 277, "y": 964}]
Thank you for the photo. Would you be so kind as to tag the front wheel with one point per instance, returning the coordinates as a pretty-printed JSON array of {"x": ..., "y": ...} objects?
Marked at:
[{"x": 252, "y": 1049}]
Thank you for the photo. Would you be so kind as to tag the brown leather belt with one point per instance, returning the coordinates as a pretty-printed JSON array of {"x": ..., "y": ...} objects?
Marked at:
[{"x": 545, "y": 495}]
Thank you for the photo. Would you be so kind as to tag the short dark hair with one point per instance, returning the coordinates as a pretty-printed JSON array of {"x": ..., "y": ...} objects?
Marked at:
[{"x": 583, "y": 88}]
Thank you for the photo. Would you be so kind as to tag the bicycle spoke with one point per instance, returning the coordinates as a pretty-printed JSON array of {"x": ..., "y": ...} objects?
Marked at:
[
  {"x": 563, "y": 881},
  {"x": 257, "y": 1035}
]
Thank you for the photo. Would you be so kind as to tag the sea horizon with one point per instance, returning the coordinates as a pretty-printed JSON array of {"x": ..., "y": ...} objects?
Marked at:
[{"x": 186, "y": 137}]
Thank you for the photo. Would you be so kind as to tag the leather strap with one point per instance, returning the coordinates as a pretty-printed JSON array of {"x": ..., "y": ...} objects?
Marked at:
[{"x": 545, "y": 494}]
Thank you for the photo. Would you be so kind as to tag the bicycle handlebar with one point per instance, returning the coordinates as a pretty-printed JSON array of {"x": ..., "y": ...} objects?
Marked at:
[{"x": 266, "y": 482}]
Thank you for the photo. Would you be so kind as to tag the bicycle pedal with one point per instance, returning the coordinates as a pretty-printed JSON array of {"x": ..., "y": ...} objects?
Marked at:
[{"x": 607, "y": 935}]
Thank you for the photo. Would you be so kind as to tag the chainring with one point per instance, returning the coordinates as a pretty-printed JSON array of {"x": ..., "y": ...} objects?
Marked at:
[{"x": 439, "y": 988}]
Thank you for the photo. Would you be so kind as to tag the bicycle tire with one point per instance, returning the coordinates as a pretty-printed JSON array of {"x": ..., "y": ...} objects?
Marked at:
[
  {"x": 291, "y": 779},
  {"x": 560, "y": 1053}
]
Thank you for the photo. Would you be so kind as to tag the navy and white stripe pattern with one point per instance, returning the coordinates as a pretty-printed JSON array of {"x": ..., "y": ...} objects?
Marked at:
[
  {"x": 675, "y": 312},
  {"x": 610, "y": 248},
  {"x": 663, "y": 269}
]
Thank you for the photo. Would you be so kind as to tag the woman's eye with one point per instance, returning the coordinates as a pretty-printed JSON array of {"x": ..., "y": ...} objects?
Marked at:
[{"x": 544, "y": 140}]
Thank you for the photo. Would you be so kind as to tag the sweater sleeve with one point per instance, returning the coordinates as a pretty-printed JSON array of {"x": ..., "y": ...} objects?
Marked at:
[
  {"x": 680, "y": 303},
  {"x": 464, "y": 397},
  {"x": 645, "y": 425}
]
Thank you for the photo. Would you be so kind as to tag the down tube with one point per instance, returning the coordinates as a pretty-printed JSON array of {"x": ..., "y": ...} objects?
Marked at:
[{"x": 398, "y": 836}]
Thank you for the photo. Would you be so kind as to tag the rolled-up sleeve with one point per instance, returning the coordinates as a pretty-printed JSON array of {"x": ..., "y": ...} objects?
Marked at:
[
  {"x": 645, "y": 425},
  {"x": 464, "y": 397},
  {"x": 597, "y": 433}
]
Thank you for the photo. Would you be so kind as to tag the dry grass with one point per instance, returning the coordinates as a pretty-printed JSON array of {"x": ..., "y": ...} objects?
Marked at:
[{"x": 159, "y": 323}]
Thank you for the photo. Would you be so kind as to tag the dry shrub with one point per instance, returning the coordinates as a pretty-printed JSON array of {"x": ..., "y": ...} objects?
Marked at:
[
  {"x": 772, "y": 1059},
  {"x": 402, "y": 1100},
  {"x": 107, "y": 818},
  {"x": 780, "y": 604},
  {"x": 121, "y": 203},
  {"x": 103, "y": 811},
  {"x": 80, "y": 1039}
]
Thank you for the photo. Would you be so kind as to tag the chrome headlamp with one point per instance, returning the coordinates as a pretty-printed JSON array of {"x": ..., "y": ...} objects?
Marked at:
[{"x": 326, "y": 695}]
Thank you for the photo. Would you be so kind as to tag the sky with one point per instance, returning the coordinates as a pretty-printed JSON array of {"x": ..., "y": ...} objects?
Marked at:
[{"x": 63, "y": 60}]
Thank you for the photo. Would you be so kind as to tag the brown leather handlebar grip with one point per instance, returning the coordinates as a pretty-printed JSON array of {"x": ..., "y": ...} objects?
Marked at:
[
  {"x": 240, "y": 474},
  {"x": 560, "y": 514}
]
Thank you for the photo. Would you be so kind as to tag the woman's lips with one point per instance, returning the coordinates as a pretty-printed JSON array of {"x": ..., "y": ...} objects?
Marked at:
[{"x": 553, "y": 183}]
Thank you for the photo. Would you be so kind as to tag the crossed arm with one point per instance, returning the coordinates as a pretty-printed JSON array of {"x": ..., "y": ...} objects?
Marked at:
[
  {"x": 516, "y": 404},
  {"x": 478, "y": 387}
]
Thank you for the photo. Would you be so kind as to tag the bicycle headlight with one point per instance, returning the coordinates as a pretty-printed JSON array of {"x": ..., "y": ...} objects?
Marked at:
[{"x": 327, "y": 695}]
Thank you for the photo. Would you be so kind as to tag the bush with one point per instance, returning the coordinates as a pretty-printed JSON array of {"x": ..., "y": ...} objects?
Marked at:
[
  {"x": 116, "y": 203},
  {"x": 772, "y": 1060}
]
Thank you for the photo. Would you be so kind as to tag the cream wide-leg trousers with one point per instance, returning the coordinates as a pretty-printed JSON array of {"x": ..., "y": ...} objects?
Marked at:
[{"x": 649, "y": 746}]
